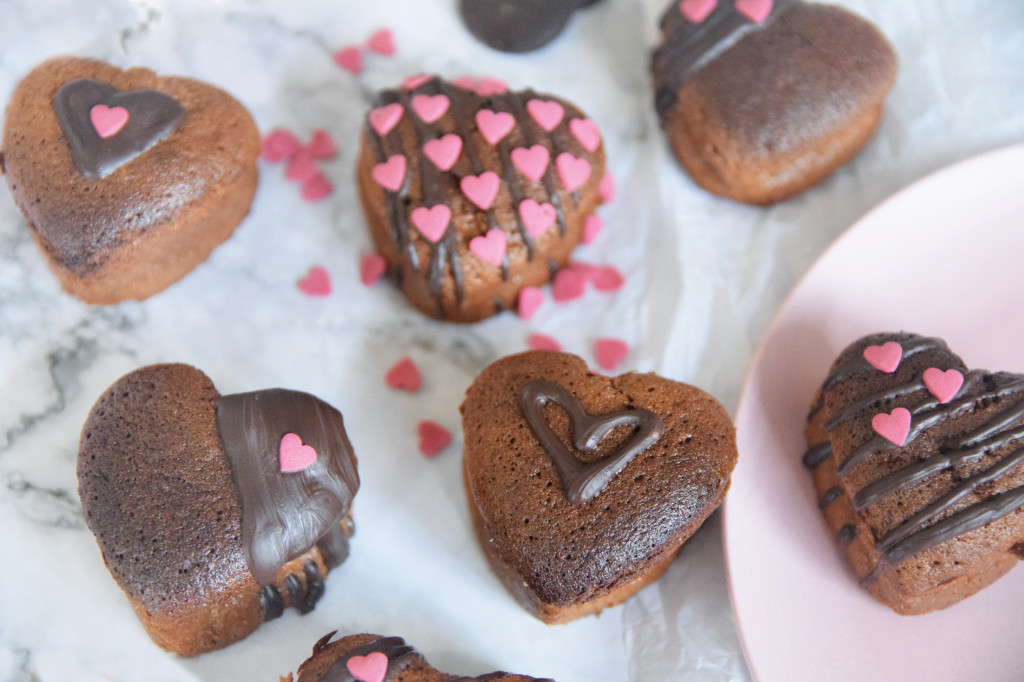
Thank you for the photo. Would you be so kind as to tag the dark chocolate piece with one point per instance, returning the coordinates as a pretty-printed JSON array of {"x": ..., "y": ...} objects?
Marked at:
[
  {"x": 152, "y": 116},
  {"x": 518, "y": 25},
  {"x": 581, "y": 481}
]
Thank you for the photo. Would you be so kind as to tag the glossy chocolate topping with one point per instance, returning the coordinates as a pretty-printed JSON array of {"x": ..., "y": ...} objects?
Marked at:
[
  {"x": 518, "y": 25},
  {"x": 284, "y": 514},
  {"x": 964, "y": 469},
  {"x": 151, "y": 116},
  {"x": 582, "y": 481}
]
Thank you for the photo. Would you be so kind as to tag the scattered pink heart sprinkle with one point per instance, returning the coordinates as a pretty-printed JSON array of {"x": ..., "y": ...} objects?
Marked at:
[
  {"x": 382, "y": 42},
  {"x": 108, "y": 121},
  {"x": 697, "y": 10},
  {"x": 372, "y": 667},
  {"x": 894, "y": 427},
  {"x": 608, "y": 278},
  {"x": 530, "y": 298},
  {"x": 404, "y": 375},
  {"x": 755, "y": 10},
  {"x": 316, "y": 188},
  {"x": 591, "y": 228},
  {"x": 416, "y": 80},
  {"x": 572, "y": 171},
  {"x": 384, "y": 119},
  {"x": 537, "y": 218},
  {"x": 494, "y": 125},
  {"x": 390, "y": 174},
  {"x": 607, "y": 187},
  {"x": 547, "y": 113},
  {"x": 586, "y": 271},
  {"x": 481, "y": 189},
  {"x": 586, "y": 132},
  {"x": 430, "y": 107},
  {"x": 432, "y": 222},
  {"x": 316, "y": 282},
  {"x": 321, "y": 145},
  {"x": 433, "y": 437},
  {"x": 569, "y": 285},
  {"x": 371, "y": 268},
  {"x": 293, "y": 455},
  {"x": 943, "y": 385},
  {"x": 350, "y": 58},
  {"x": 610, "y": 352},
  {"x": 543, "y": 342},
  {"x": 300, "y": 166},
  {"x": 444, "y": 152},
  {"x": 278, "y": 145},
  {"x": 466, "y": 82},
  {"x": 490, "y": 247},
  {"x": 886, "y": 357},
  {"x": 487, "y": 86},
  {"x": 532, "y": 161}
]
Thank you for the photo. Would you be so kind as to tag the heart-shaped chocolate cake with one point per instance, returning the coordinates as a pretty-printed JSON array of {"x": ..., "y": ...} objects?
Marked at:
[
  {"x": 470, "y": 198},
  {"x": 127, "y": 180},
  {"x": 919, "y": 467},
  {"x": 583, "y": 488},
  {"x": 214, "y": 513},
  {"x": 762, "y": 99},
  {"x": 372, "y": 658}
]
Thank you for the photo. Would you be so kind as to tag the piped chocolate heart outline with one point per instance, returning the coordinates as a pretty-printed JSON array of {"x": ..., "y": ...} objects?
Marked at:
[{"x": 583, "y": 481}]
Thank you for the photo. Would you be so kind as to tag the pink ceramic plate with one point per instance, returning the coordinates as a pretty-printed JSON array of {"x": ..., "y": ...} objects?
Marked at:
[{"x": 944, "y": 257}]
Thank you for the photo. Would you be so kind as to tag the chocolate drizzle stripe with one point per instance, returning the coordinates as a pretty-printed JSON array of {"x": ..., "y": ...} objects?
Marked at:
[
  {"x": 399, "y": 654},
  {"x": 830, "y": 496},
  {"x": 846, "y": 534},
  {"x": 581, "y": 481},
  {"x": 271, "y": 603},
  {"x": 400, "y": 225},
  {"x": 816, "y": 455},
  {"x": 860, "y": 406},
  {"x": 526, "y": 121}
]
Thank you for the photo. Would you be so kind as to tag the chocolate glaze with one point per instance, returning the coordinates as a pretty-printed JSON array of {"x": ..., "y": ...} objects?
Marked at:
[
  {"x": 152, "y": 116},
  {"x": 285, "y": 514},
  {"x": 935, "y": 522},
  {"x": 435, "y": 186},
  {"x": 271, "y": 602},
  {"x": 518, "y": 25},
  {"x": 583, "y": 482}
]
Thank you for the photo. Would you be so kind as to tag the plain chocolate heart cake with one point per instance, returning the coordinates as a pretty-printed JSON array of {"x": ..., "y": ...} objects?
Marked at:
[
  {"x": 372, "y": 658},
  {"x": 471, "y": 198},
  {"x": 583, "y": 488},
  {"x": 126, "y": 179},
  {"x": 214, "y": 513},
  {"x": 762, "y": 99},
  {"x": 919, "y": 468}
]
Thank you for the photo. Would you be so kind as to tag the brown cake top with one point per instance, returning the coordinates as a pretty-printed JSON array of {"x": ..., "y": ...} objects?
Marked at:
[
  {"x": 926, "y": 449},
  {"x": 110, "y": 154},
  {"x": 654, "y": 481},
  {"x": 189, "y": 493}
]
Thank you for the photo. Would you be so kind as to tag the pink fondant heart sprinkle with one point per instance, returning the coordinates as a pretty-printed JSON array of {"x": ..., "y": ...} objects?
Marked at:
[
  {"x": 537, "y": 218},
  {"x": 384, "y": 119},
  {"x": 569, "y": 284},
  {"x": 543, "y": 342},
  {"x": 586, "y": 131},
  {"x": 404, "y": 375},
  {"x": 430, "y": 107},
  {"x": 390, "y": 174},
  {"x": 608, "y": 279},
  {"x": 610, "y": 352},
  {"x": 432, "y": 222},
  {"x": 697, "y": 10},
  {"x": 585, "y": 270},
  {"x": 591, "y": 228},
  {"x": 943, "y": 385},
  {"x": 755, "y": 10},
  {"x": 532, "y": 161},
  {"x": 316, "y": 282},
  {"x": 885, "y": 357},
  {"x": 573, "y": 171},
  {"x": 444, "y": 152},
  {"x": 546, "y": 113},
  {"x": 321, "y": 145},
  {"x": 465, "y": 82},
  {"x": 530, "y": 299},
  {"x": 433, "y": 437},
  {"x": 894, "y": 427},
  {"x": 607, "y": 187},
  {"x": 300, "y": 166},
  {"x": 293, "y": 455},
  {"x": 481, "y": 189},
  {"x": 487, "y": 86},
  {"x": 494, "y": 125},
  {"x": 416, "y": 80},
  {"x": 371, "y": 268},
  {"x": 108, "y": 121},
  {"x": 316, "y": 188},
  {"x": 382, "y": 42},
  {"x": 350, "y": 58},
  {"x": 280, "y": 144},
  {"x": 372, "y": 667},
  {"x": 490, "y": 247}
]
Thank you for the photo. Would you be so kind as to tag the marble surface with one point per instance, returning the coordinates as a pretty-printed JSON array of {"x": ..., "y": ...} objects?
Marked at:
[{"x": 704, "y": 278}]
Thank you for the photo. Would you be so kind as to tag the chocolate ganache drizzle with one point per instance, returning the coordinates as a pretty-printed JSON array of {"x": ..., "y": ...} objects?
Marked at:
[
  {"x": 285, "y": 514},
  {"x": 687, "y": 47},
  {"x": 963, "y": 506},
  {"x": 581, "y": 481},
  {"x": 432, "y": 186},
  {"x": 151, "y": 116}
]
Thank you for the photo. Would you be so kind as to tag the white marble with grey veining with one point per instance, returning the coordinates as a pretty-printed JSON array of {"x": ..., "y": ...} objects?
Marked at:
[{"x": 704, "y": 276}]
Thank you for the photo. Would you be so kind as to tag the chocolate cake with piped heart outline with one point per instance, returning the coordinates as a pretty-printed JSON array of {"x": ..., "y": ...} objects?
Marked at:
[
  {"x": 918, "y": 463},
  {"x": 470, "y": 197},
  {"x": 215, "y": 513}
]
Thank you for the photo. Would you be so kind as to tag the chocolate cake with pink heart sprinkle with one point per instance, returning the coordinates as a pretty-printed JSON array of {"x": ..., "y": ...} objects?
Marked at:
[
  {"x": 919, "y": 468},
  {"x": 471, "y": 197}
]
